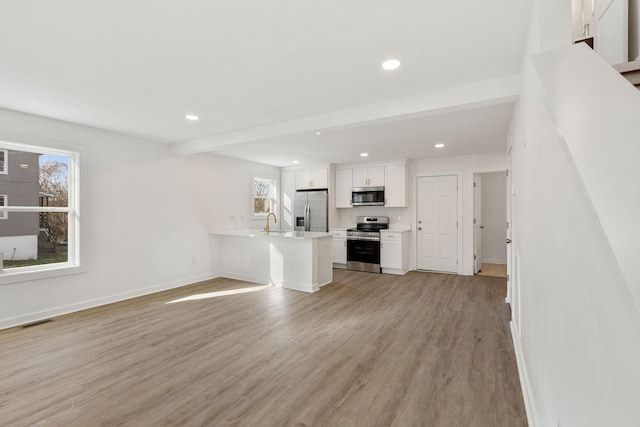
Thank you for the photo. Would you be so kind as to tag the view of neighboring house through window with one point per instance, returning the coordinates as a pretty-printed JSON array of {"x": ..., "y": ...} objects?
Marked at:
[
  {"x": 3, "y": 161},
  {"x": 263, "y": 196},
  {"x": 39, "y": 205},
  {"x": 3, "y": 202}
]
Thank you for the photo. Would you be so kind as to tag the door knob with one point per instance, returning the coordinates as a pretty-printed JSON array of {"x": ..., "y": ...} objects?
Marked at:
[
  {"x": 419, "y": 228},
  {"x": 508, "y": 241},
  {"x": 420, "y": 222},
  {"x": 482, "y": 226}
]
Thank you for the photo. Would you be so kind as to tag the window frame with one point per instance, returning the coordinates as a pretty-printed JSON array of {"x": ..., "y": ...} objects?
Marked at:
[
  {"x": 5, "y": 166},
  {"x": 273, "y": 195},
  {"x": 72, "y": 265},
  {"x": 5, "y": 202}
]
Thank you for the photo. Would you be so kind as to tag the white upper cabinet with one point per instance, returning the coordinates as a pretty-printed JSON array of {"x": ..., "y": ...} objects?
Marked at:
[
  {"x": 368, "y": 177},
  {"x": 395, "y": 186},
  {"x": 317, "y": 178},
  {"x": 393, "y": 176},
  {"x": 344, "y": 182}
]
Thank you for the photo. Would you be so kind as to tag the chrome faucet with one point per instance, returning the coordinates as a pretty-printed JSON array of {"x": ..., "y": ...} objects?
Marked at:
[{"x": 275, "y": 221}]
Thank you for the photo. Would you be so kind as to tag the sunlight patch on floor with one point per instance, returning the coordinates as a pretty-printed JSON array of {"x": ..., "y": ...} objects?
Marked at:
[{"x": 196, "y": 297}]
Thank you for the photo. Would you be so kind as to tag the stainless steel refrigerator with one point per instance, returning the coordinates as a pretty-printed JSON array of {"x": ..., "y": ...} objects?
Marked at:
[{"x": 311, "y": 210}]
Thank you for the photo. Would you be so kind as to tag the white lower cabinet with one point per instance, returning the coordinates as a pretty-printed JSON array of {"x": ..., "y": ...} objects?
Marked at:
[
  {"x": 339, "y": 248},
  {"x": 394, "y": 251}
]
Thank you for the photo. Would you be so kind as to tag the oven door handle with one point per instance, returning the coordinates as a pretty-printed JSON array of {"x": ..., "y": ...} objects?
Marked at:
[{"x": 368, "y": 239}]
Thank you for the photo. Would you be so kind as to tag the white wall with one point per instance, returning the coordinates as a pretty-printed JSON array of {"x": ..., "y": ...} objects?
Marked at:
[
  {"x": 580, "y": 17},
  {"x": 494, "y": 217},
  {"x": 145, "y": 217},
  {"x": 576, "y": 326}
]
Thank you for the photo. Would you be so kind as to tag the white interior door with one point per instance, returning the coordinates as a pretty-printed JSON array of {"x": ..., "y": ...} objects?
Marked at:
[
  {"x": 611, "y": 40},
  {"x": 437, "y": 223},
  {"x": 477, "y": 223}
]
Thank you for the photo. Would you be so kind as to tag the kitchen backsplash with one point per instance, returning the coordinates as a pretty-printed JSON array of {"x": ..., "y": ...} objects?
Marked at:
[{"x": 397, "y": 216}]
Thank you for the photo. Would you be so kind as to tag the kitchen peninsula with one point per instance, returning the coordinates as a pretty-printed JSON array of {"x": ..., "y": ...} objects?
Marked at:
[{"x": 299, "y": 260}]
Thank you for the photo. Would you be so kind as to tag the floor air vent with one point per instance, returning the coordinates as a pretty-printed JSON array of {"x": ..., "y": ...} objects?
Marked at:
[{"x": 39, "y": 322}]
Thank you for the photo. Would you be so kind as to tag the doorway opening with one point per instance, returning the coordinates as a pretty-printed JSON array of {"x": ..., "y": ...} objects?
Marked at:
[{"x": 490, "y": 224}]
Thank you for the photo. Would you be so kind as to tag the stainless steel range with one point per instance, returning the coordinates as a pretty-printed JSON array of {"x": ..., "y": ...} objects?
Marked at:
[{"x": 363, "y": 243}]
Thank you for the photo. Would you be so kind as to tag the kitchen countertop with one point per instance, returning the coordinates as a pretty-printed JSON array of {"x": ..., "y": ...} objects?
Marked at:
[
  {"x": 398, "y": 229},
  {"x": 273, "y": 233}
]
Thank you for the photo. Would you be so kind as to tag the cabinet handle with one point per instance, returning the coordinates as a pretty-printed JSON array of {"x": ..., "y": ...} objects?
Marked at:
[
  {"x": 381, "y": 245},
  {"x": 345, "y": 243}
]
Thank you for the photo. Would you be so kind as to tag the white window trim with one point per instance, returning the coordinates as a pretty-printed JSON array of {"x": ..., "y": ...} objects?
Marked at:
[
  {"x": 274, "y": 195},
  {"x": 5, "y": 170},
  {"x": 72, "y": 266},
  {"x": 4, "y": 215}
]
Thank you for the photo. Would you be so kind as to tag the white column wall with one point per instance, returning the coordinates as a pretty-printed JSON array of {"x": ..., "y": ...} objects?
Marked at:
[{"x": 576, "y": 327}]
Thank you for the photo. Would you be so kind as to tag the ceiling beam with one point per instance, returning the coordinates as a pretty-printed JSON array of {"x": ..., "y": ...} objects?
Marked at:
[{"x": 472, "y": 95}]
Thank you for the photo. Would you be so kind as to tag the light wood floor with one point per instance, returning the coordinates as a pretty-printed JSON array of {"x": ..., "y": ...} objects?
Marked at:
[
  {"x": 493, "y": 270},
  {"x": 367, "y": 350}
]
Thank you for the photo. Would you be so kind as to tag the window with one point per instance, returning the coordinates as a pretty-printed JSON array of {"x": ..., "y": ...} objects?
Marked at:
[
  {"x": 3, "y": 161},
  {"x": 40, "y": 190},
  {"x": 264, "y": 199}
]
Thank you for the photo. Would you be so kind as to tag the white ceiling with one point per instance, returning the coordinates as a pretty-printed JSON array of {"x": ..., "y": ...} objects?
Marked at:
[{"x": 265, "y": 76}]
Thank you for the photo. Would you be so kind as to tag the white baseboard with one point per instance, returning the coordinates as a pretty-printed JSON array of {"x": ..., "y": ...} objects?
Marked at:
[
  {"x": 59, "y": 311},
  {"x": 244, "y": 278},
  {"x": 262, "y": 281},
  {"x": 525, "y": 383},
  {"x": 494, "y": 261}
]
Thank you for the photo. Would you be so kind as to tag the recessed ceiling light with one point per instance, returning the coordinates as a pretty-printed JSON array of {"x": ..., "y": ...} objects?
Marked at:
[
  {"x": 440, "y": 145},
  {"x": 295, "y": 162},
  {"x": 390, "y": 64},
  {"x": 364, "y": 154},
  {"x": 192, "y": 117},
  {"x": 318, "y": 133}
]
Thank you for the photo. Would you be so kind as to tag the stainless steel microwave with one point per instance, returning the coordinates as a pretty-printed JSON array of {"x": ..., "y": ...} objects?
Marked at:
[{"x": 367, "y": 196}]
